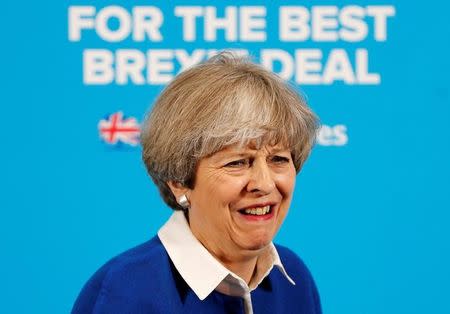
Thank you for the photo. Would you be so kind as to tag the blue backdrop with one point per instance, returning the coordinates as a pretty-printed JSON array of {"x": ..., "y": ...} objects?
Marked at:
[{"x": 371, "y": 209}]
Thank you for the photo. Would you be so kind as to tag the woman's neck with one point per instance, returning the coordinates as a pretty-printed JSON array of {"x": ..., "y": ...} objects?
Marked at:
[{"x": 245, "y": 268}]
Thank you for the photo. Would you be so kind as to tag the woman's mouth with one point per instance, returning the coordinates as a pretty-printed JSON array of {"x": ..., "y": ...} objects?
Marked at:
[{"x": 257, "y": 213}]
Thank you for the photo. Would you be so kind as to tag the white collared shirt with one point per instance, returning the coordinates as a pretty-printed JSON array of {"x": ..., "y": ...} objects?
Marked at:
[{"x": 202, "y": 272}]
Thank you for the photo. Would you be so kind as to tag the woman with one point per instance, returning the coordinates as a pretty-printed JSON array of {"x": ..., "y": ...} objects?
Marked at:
[{"x": 223, "y": 144}]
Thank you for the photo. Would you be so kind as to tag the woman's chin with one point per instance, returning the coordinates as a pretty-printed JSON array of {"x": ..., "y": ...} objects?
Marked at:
[{"x": 256, "y": 242}]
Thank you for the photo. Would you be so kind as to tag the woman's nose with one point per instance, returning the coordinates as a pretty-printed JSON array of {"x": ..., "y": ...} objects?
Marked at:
[{"x": 261, "y": 178}]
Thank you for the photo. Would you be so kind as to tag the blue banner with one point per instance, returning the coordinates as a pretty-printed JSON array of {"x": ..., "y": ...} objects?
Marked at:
[{"x": 370, "y": 214}]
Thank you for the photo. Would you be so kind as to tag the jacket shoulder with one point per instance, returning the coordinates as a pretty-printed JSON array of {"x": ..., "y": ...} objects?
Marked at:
[
  {"x": 304, "y": 282},
  {"x": 291, "y": 261},
  {"x": 121, "y": 274}
]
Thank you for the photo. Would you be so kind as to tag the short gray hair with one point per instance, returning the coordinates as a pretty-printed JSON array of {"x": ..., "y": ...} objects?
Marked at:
[{"x": 223, "y": 101}]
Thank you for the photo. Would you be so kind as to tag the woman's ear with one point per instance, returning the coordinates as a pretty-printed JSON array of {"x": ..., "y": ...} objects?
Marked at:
[
  {"x": 178, "y": 189},
  {"x": 181, "y": 193}
]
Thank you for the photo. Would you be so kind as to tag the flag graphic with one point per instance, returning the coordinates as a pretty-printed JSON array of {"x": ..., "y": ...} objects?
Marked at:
[{"x": 116, "y": 128}]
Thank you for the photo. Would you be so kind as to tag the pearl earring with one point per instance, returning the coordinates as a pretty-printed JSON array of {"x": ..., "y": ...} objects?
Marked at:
[{"x": 183, "y": 201}]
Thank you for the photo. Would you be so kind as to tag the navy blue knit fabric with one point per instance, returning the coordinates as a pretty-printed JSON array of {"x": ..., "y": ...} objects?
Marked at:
[{"x": 144, "y": 280}]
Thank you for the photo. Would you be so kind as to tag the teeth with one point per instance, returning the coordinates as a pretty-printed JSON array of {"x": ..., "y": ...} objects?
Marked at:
[{"x": 258, "y": 210}]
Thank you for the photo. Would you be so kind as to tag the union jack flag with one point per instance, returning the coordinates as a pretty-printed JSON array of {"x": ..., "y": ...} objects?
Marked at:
[{"x": 116, "y": 128}]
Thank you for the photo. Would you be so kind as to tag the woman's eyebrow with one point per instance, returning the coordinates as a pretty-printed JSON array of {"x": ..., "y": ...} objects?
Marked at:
[
  {"x": 226, "y": 155},
  {"x": 279, "y": 150},
  {"x": 249, "y": 152}
]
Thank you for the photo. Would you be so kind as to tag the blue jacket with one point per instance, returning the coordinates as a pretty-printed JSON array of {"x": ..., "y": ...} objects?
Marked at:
[{"x": 144, "y": 280}]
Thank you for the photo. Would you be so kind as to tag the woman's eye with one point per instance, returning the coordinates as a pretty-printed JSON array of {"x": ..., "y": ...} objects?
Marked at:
[
  {"x": 280, "y": 159},
  {"x": 238, "y": 163}
]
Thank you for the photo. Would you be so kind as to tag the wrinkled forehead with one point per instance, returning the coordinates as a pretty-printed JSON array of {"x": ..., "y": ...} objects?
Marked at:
[
  {"x": 269, "y": 145},
  {"x": 263, "y": 143},
  {"x": 250, "y": 149},
  {"x": 257, "y": 144}
]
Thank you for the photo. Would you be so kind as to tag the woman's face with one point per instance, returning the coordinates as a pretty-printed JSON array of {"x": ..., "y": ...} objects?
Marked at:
[{"x": 241, "y": 197}]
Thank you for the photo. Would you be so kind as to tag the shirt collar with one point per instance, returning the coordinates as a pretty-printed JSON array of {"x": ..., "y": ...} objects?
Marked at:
[{"x": 201, "y": 271}]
